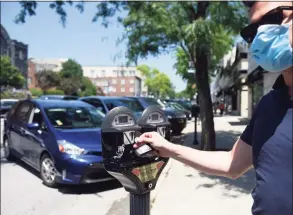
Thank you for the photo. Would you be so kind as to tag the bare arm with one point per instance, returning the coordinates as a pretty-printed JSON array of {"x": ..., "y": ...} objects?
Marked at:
[{"x": 230, "y": 164}]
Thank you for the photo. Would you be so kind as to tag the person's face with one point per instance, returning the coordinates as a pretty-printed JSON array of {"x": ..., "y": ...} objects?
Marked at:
[{"x": 258, "y": 10}]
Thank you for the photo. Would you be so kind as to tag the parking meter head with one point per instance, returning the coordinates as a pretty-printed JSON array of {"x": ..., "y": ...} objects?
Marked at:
[
  {"x": 136, "y": 173},
  {"x": 154, "y": 119},
  {"x": 119, "y": 130}
]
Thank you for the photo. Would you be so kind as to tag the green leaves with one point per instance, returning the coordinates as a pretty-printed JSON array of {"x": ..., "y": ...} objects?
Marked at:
[
  {"x": 158, "y": 83},
  {"x": 10, "y": 75},
  {"x": 47, "y": 79},
  {"x": 71, "y": 69}
]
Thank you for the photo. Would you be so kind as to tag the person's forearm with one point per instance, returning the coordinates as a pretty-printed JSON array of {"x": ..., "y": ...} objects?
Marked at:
[{"x": 214, "y": 163}]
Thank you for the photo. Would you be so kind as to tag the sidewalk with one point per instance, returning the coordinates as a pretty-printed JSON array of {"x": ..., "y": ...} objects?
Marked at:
[{"x": 186, "y": 191}]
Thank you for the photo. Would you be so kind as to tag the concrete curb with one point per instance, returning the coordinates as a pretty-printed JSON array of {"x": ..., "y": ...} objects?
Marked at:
[{"x": 160, "y": 182}]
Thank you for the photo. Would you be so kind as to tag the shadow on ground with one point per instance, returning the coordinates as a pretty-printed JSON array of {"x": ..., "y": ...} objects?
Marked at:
[
  {"x": 224, "y": 139},
  {"x": 242, "y": 122},
  {"x": 233, "y": 188},
  {"x": 95, "y": 188}
]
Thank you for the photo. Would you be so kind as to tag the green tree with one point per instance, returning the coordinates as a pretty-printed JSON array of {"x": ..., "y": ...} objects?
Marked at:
[
  {"x": 158, "y": 83},
  {"x": 87, "y": 87},
  {"x": 47, "y": 79},
  {"x": 70, "y": 69},
  {"x": 204, "y": 30},
  {"x": 10, "y": 75},
  {"x": 70, "y": 86}
]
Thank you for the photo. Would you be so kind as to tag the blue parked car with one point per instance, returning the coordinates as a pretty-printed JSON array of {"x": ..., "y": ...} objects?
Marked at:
[
  {"x": 60, "y": 139},
  {"x": 107, "y": 103},
  {"x": 58, "y": 97}
]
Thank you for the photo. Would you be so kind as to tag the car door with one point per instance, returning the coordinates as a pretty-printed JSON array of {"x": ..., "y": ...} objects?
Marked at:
[
  {"x": 35, "y": 137},
  {"x": 18, "y": 128}
]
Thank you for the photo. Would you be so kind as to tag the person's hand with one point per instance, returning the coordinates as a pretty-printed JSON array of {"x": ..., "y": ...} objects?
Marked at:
[{"x": 156, "y": 141}]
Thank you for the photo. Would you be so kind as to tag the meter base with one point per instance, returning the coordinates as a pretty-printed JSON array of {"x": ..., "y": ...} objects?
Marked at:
[{"x": 140, "y": 204}]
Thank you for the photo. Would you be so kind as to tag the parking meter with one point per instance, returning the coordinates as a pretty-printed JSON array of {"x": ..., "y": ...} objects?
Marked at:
[{"x": 137, "y": 169}]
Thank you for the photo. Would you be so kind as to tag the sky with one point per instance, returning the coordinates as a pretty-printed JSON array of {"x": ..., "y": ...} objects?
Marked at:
[{"x": 86, "y": 42}]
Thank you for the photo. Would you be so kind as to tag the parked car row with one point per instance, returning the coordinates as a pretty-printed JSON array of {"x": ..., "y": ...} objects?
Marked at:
[{"x": 60, "y": 136}]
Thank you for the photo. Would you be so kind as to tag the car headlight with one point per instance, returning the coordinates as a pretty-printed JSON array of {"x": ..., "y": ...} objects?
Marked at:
[
  {"x": 169, "y": 117},
  {"x": 70, "y": 148}
]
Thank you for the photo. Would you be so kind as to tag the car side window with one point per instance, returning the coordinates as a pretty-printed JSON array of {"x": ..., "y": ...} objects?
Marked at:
[
  {"x": 13, "y": 109},
  {"x": 110, "y": 105},
  {"x": 97, "y": 104},
  {"x": 36, "y": 117},
  {"x": 23, "y": 112}
]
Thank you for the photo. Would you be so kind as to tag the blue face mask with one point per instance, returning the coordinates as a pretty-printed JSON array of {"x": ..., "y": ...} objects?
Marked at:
[{"x": 271, "y": 47}]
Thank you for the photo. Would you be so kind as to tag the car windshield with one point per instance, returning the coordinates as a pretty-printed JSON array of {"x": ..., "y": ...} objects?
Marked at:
[
  {"x": 150, "y": 101},
  {"x": 74, "y": 117},
  {"x": 7, "y": 103},
  {"x": 132, "y": 104},
  {"x": 176, "y": 106},
  {"x": 186, "y": 104}
]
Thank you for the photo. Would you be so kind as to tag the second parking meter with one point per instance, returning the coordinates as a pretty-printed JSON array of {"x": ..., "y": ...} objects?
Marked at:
[{"x": 137, "y": 169}]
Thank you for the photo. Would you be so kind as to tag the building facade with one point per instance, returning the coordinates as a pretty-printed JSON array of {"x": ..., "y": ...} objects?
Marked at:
[
  {"x": 243, "y": 83},
  {"x": 117, "y": 80},
  {"x": 17, "y": 51},
  {"x": 53, "y": 64},
  {"x": 229, "y": 85},
  {"x": 31, "y": 78}
]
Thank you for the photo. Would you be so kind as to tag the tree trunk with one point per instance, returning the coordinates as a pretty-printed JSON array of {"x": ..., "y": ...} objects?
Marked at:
[{"x": 208, "y": 141}]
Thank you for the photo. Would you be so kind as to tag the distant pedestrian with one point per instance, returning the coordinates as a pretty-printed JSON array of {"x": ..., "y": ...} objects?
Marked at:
[
  {"x": 266, "y": 142},
  {"x": 222, "y": 108}
]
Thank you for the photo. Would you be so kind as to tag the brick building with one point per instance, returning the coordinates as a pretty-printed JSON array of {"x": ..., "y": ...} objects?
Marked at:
[
  {"x": 31, "y": 76},
  {"x": 117, "y": 80}
]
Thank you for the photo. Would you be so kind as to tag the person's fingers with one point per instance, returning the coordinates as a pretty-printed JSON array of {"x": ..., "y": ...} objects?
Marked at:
[{"x": 147, "y": 135}]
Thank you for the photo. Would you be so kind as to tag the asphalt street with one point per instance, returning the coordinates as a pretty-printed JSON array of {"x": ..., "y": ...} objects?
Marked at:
[{"x": 22, "y": 193}]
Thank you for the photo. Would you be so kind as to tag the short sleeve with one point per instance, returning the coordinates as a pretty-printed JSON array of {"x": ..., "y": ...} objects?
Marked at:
[{"x": 247, "y": 135}]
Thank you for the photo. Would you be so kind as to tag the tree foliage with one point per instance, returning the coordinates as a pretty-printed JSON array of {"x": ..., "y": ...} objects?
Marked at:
[
  {"x": 158, "y": 83},
  {"x": 47, "y": 79},
  {"x": 73, "y": 82},
  {"x": 70, "y": 86},
  {"x": 87, "y": 87},
  {"x": 70, "y": 69},
  {"x": 10, "y": 75}
]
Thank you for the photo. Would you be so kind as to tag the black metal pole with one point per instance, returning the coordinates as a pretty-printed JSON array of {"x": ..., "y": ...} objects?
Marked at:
[
  {"x": 140, "y": 204},
  {"x": 195, "y": 142}
]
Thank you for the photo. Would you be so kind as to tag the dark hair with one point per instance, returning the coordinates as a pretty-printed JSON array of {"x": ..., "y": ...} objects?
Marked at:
[{"x": 249, "y": 4}]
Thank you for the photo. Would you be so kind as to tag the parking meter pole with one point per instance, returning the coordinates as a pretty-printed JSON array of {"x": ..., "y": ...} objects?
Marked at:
[
  {"x": 140, "y": 204},
  {"x": 195, "y": 142}
]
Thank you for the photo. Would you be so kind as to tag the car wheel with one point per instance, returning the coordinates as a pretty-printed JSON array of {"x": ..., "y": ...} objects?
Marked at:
[
  {"x": 48, "y": 171},
  {"x": 7, "y": 150}
]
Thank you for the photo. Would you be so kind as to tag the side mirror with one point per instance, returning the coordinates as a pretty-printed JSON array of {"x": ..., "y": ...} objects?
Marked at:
[{"x": 34, "y": 125}]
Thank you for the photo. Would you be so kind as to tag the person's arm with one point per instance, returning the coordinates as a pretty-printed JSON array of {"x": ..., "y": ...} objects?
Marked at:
[{"x": 230, "y": 164}]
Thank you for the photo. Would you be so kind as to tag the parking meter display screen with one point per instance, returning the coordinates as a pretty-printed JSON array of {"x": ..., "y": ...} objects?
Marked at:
[
  {"x": 123, "y": 119},
  {"x": 155, "y": 117}
]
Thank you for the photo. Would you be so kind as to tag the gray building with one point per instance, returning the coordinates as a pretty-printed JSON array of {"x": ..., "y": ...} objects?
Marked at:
[{"x": 17, "y": 51}]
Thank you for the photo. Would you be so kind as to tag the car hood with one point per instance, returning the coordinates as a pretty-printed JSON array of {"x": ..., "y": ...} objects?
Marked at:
[{"x": 88, "y": 139}]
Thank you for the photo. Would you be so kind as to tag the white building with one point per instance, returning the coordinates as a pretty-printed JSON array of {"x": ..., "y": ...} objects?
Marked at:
[{"x": 48, "y": 64}]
